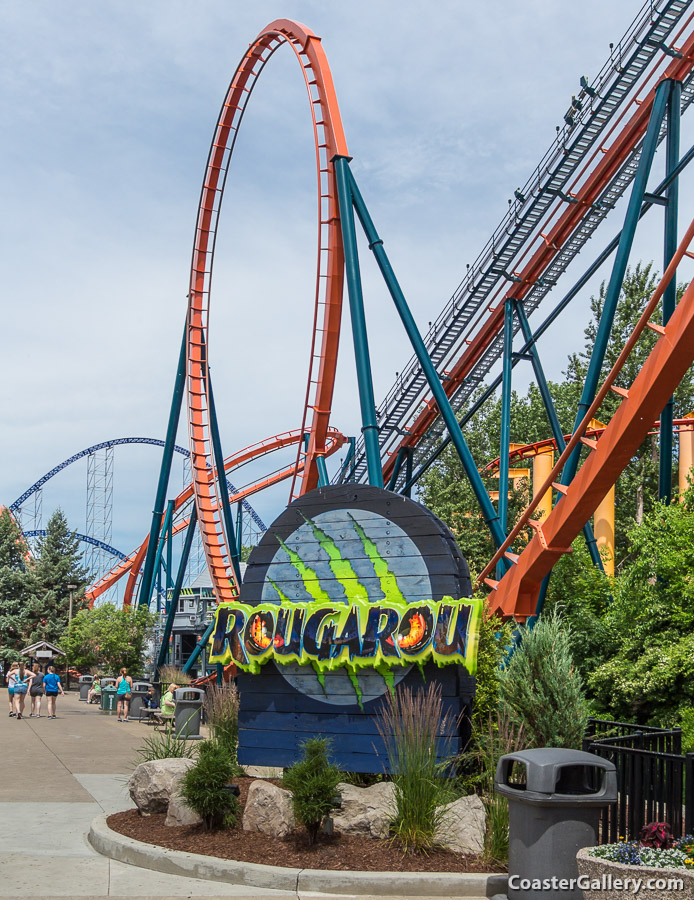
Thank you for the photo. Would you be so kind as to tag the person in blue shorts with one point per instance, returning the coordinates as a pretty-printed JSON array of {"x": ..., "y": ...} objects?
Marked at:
[{"x": 52, "y": 687}]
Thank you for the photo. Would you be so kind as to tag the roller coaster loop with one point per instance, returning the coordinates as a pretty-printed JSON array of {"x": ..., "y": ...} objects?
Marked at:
[{"x": 41, "y": 532}]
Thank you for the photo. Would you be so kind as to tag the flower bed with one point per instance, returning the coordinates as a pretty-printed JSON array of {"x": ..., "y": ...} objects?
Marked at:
[{"x": 614, "y": 871}]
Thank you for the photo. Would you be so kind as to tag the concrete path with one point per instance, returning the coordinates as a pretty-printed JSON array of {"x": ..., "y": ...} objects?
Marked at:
[{"x": 57, "y": 775}]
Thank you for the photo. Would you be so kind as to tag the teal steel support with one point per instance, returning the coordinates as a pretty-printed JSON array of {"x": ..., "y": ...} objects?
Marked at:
[
  {"x": 239, "y": 525},
  {"x": 409, "y": 455},
  {"x": 376, "y": 244},
  {"x": 557, "y": 433},
  {"x": 349, "y": 462},
  {"x": 169, "y": 555},
  {"x": 402, "y": 452},
  {"x": 198, "y": 648},
  {"x": 323, "y": 480},
  {"x": 220, "y": 674},
  {"x": 173, "y": 601},
  {"x": 222, "y": 481},
  {"x": 506, "y": 370},
  {"x": 145, "y": 593},
  {"x": 160, "y": 547},
  {"x": 356, "y": 307},
  {"x": 672, "y": 154},
  {"x": 614, "y": 287}
]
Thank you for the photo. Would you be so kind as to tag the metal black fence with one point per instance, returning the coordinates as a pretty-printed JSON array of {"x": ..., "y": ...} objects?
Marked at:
[{"x": 655, "y": 781}]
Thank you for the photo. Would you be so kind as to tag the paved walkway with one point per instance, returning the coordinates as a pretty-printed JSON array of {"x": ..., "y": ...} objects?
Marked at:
[{"x": 59, "y": 774}]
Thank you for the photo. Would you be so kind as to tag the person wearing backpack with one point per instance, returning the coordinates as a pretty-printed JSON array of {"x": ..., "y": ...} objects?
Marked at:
[
  {"x": 36, "y": 692},
  {"x": 52, "y": 686}
]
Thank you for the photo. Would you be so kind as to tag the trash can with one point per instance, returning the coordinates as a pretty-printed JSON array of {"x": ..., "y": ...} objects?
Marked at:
[
  {"x": 107, "y": 681},
  {"x": 138, "y": 693},
  {"x": 108, "y": 698},
  {"x": 85, "y": 683},
  {"x": 555, "y": 797},
  {"x": 188, "y": 712}
]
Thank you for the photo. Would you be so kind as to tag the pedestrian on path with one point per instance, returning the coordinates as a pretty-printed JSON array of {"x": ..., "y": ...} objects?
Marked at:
[
  {"x": 21, "y": 679},
  {"x": 36, "y": 692},
  {"x": 124, "y": 687},
  {"x": 52, "y": 686},
  {"x": 10, "y": 687}
]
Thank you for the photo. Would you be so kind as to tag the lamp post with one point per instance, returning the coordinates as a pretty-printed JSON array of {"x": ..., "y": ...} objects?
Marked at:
[{"x": 71, "y": 588}]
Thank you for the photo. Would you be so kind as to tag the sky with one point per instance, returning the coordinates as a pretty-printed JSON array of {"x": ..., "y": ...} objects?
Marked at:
[{"x": 108, "y": 112}]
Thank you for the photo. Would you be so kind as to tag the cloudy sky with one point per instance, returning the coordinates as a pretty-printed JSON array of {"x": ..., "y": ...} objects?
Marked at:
[{"x": 108, "y": 111}]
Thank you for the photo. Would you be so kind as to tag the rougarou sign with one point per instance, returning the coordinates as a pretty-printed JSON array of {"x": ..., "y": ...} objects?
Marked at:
[{"x": 351, "y": 591}]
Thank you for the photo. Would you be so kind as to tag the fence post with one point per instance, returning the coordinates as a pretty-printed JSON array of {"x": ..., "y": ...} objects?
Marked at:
[{"x": 689, "y": 793}]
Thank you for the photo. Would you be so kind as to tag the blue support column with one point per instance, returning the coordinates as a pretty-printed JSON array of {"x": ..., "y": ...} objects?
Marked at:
[
  {"x": 356, "y": 306},
  {"x": 147, "y": 581},
  {"x": 506, "y": 370},
  {"x": 407, "y": 490},
  {"x": 557, "y": 434},
  {"x": 323, "y": 480},
  {"x": 222, "y": 480},
  {"x": 619, "y": 268},
  {"x": 396, "y": 468},
  {"x": 173, "y": 601},
  {"x": 199, "y": 647},
  {"x": 670, "y": 296},
  {"x": 376, "y": 244},
  {"x": 239, "y": 525},
  {"x": 160, "y": 547}
]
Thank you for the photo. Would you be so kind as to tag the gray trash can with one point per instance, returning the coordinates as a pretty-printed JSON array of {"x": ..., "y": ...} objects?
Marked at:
[
  {"x": 85, "y": 683},
  {"x": 138, "y": 693},
  {"x": 188, "y": 712},
  {"x": 108, "y": 698},
  {"x": 555, "y": 797}
]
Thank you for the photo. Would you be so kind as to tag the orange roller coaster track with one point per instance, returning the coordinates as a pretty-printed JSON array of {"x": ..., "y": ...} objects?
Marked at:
[{"x": 329, "y": 141}]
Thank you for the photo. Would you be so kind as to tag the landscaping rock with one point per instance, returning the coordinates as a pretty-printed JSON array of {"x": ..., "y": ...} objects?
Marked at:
[
  {"x": 463, "y": 826},
  {"x": 179, "y": 813},
  {"x": 153, "y": 783},
  {"x": 365, "y": 810},
  {"x": 268, "y": 810}
]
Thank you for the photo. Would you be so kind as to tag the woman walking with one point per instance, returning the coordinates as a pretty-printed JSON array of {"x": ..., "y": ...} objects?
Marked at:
[
  {"x": 124, "y": 687},
  {"x": 52, "y": 686},
  {"x": 10, "y": 687},
  {"x": 36, "y": 692},
  {"x": 22, "y": 679}
]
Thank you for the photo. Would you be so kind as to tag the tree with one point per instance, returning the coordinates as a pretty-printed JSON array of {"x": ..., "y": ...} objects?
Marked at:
[
  {"x": 109, "y": 637},
  {"x": 19, "y": 603},
  {"x": 58, "y": 565}
]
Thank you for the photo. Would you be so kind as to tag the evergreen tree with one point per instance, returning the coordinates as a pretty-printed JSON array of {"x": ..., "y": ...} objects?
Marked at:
[
  {"x": 58, "y": 564},
  {"x": 19, "y": 605}
]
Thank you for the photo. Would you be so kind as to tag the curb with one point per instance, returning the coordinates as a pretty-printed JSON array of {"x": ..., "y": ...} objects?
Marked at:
[{"x": 193, "y": 865}]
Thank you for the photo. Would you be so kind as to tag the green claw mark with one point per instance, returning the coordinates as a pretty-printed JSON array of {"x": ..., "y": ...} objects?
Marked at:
[
  {"x": 420, "y": 666},
  {"x": 276, "y": 587},
  {"x": 308, "y": 575},
  {"x": 386, "y": 674},
  {"x": 389, "y": 583},
  {"x": 341, "y": 567},
  {"x": 355, "y": 683},
  {"x": 320, "y": 675}
]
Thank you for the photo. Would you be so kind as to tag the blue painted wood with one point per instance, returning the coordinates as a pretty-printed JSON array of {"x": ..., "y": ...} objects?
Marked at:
[{"x": 272, "y": 721}]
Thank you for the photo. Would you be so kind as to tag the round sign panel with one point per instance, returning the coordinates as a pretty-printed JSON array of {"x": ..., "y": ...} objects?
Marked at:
[{"x": 348, "y": 543}]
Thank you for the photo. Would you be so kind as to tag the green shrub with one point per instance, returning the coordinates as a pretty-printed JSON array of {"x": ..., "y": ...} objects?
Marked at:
[
  {"x": 222, "y": 708},
  {"x": 203, "y": 787},
  {"x": 411, "y": 725},
  {"x": 542, "y": 686},
  {"x": 686, "y": 723},
  {"x": 313, "y": 782},
  {"x": 165, "y": 745}
]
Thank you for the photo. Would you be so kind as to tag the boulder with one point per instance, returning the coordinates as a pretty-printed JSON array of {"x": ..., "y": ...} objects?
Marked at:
[
  {"x": 463, "y": 825},
  {"x": 153, "y": 783},
  {"x": 268, "y": 810},
  {"x": 367, "y": 810},
  {"x": 179, "y": 813}
]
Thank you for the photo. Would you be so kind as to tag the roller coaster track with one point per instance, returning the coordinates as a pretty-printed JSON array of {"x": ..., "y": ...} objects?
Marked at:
[
  {"x": 131, "y": 565},
  {"x": 41, "y": 532},
  {"x": 329, "y": 142},
  {"x": 517, "y": 592},
  {"x": 155, "y": 442},
  {"x": 578, "y": 181}
]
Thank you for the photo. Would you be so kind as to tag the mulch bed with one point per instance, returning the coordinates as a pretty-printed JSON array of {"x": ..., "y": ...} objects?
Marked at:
[{"x": 338, "y": 851}]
